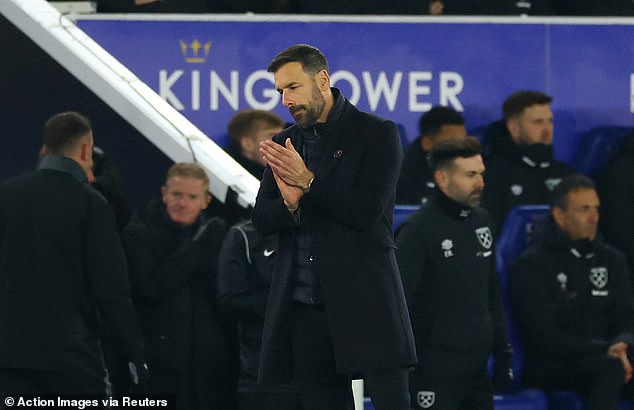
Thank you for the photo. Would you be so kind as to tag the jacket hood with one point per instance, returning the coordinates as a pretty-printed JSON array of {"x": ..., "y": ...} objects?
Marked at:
[
  {"x": 153, "y": 215},
  {"x": 499, "y": 143},
  {"x": 551, "y": 236},
  {"x": 498, "y": 140}
]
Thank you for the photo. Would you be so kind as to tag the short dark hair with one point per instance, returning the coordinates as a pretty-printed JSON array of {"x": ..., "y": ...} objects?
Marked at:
[
  {"x": 247, "y": 121},
  {"x": 444, "y": 152},
  {"x": 62, "y": 130},
  {"x": 433, "y": 120},
  {"x": 517, "y": 102},
  {"x": 559, "y": 198},
  {"x": 311, "y": 59}
]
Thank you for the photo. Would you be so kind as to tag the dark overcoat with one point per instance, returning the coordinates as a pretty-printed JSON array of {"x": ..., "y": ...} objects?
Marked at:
[
  {"x": 350, "y": 205},
  {"x": 61, "y": 269}
]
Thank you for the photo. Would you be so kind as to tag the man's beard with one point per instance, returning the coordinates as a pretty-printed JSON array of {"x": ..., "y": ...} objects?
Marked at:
[
  {"x": 474, "y": 199},
  {"x": 311, "y": 111}
]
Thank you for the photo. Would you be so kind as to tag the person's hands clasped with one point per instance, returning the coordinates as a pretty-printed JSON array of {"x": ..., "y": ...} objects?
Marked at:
[
  {"x": 619, "y": 351},
  {"x": 286, "y": 163},
  {"x": 291, "y": 194},
  {"x": 292, "y": 176}
]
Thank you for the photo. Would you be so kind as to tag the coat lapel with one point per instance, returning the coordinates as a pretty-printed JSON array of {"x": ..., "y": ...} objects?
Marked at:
[{"x": 337, "y": 143}]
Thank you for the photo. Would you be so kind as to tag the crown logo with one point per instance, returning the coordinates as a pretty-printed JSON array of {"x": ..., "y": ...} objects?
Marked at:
[{"x": 195, "y": 52}]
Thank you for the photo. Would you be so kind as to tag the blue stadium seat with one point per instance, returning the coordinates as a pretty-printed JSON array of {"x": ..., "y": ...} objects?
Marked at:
[
  {"x": 598, "y": 147},
  {"x": 524, "y": 399},
  {"x": 515, "y": 236},
  {"x": 569, "y": 400},
  {"x": 528, "y": 399},
  {"x": 565, "y": 400},
  {"x": 626, "y": 405},
  {"x": 401, "y": 212}
]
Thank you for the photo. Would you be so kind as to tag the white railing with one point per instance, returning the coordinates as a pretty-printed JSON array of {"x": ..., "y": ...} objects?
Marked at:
[{"x": 132, "y": 99}]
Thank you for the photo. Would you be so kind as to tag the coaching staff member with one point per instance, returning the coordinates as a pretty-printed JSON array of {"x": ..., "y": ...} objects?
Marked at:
[
  {"x": 336, "y": 306},
  {"x": 572, "y": 300},
  {"x": 446, "y": 255},
  {"x": 61, "y": 265}
]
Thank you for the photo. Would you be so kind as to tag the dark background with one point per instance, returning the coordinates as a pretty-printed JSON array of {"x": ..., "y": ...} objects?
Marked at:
[{"x": 33, "y": 87}]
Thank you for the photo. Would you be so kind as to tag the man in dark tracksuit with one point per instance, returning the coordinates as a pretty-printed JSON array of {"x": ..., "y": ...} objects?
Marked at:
[
  {"x": 62, "y": 268},
  {"x": 521, "y": 168},
  {"x": 245, "y": 268},
  {"x": 246, "y": 265},
  {"x": 447, "y": 259},
  {"x": 416, "y": 182},
  {"x": 572, "y": 302}
]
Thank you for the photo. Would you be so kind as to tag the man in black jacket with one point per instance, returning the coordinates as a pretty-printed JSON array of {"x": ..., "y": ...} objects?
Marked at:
[
  {"x": 336, "y": 306},
  {"x": 62, "y": 268},
  {"x": 446, "y": 255},
  {"x": 173, "y": 254},
  {"x": 521, "y": 168},
  {"x": 245, "y": 268},
  {"x": 572, "y": 301},
  {"x": 416, "y": 182}
]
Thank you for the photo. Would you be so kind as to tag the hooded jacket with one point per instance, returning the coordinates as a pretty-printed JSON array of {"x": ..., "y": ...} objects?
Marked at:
[
  {"x": 416, "y": 183},
  {"x": 173, "y": 279},
  {"x": 570, "y": 299},
  {"x": 246, "y": 265},
  {"x": 517, "y": 174},
  {"x": 446, "y": 255}
]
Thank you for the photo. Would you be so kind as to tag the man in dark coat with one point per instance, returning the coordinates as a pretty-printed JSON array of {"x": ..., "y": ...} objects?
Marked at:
[
  {"x": 521, "y": 168},
  {"x": 446, "y": 255},
  {"x": 572, "y": 302},
  {"x": 173, "y": 253},
  {"x": 337, "y": 305},
  {"x": 416, "y": 182},
  {"x": 61, "y": 269}
]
